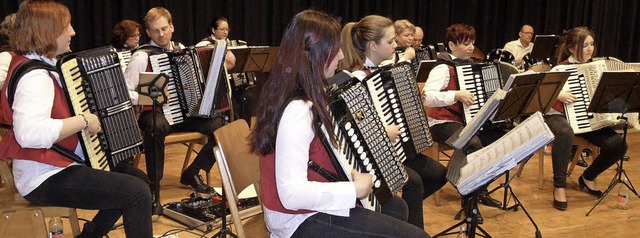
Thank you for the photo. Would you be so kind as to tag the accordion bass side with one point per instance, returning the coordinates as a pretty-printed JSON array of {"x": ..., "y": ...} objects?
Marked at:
[
  {"x": 95, "y": 84},
  {"x": 191, "y": 90},
  {"x": 397, "y": 101},
  {"x": 363, "y": 143}
]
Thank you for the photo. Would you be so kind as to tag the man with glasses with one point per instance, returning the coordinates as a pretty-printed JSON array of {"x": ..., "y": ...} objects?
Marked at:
[{"x": 521, "y": 46}]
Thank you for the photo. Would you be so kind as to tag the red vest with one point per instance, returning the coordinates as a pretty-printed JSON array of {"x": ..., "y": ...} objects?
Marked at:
[
  {"x": 441, "y": 113},
  {"x": 268, "y": 189},
  {"x": 558, "y": 105},
  {"x": 9, "y": 147}
]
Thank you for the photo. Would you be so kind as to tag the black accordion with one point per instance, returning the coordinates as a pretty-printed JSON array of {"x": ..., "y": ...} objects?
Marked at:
[
  {"x": 191, "y": 92},
  {"x": 397, "y": 101},
  {"x": 425, "y": 52},
  {"x": 95, "y": 84},
  {"x": 482, "y": 80},
  {"x": 363, "y": 143}
]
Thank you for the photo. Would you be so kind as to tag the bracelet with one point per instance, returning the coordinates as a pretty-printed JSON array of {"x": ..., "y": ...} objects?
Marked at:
[{"x": 86, "y": 122}]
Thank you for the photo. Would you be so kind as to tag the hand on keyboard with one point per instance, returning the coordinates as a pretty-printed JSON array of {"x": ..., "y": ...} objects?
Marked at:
[
  {"x": 465, "y": 97},
  {"x": 93, "y": 124},
  {"x": 363, "y": 183},
  {"x": 393, "y": 131},
  {"x": 566, "y": 97}
]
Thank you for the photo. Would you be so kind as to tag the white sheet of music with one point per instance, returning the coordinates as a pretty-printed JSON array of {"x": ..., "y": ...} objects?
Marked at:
[
  {"x": 504, "y": 154},
  {"x": 481, "y": 117}
]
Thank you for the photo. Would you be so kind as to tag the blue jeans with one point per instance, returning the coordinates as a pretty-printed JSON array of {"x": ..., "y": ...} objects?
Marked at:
[
  {"x": 362, "y": 223},
  {"x": 122, "y": 193}
]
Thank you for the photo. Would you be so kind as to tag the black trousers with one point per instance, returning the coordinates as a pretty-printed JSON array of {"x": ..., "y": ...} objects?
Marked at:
[
  {"x": 612, "y": 149},
  {"x": 426, "y": 176},
  {"x": 123, "y": 192},
  {"x": 154, "y": 145},
  {"x": 561, "y": 152}
]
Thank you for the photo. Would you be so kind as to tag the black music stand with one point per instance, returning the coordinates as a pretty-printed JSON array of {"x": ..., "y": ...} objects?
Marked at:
[
  {"x": 529, "y": 93},
  {"x": 424, "y": 69},
  {"x": 242, "y": 56},
  {"x": 544, "y": 47},
  {"x": 617, "y": 92},
  {"x": 260, "y": 59},
  {"x": 154, "y": 88}
]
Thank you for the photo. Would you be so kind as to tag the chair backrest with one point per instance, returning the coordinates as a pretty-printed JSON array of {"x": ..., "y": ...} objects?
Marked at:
[
  {"x": 239, "y": 168},
  {"x": 233, "y": 143}
]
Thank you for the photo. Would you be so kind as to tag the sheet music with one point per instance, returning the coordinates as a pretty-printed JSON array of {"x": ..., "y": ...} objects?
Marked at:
[
  {"x": 483, "y": 115},
  {"x": 489, "y": 162}
]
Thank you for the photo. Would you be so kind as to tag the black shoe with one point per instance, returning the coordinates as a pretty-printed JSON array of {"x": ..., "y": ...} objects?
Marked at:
[
  {"x": 558, "y": 204},
  {"x": 582, "y": 163},
  {"x": 487, "y": 200},
  {"x": 156, "y": 207},
  {"x": 596, "y": 193},
  {"x": 480, "y": 219},
  {"x": 197, "y": 184}
]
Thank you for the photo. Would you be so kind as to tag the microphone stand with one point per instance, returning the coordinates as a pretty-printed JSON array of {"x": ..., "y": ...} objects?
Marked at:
[
  {"x": 154, "y": 90},
  {"x": 154, "y": 93}
]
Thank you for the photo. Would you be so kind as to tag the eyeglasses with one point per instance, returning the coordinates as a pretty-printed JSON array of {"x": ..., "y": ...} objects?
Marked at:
[
  {"x": 222, "y": 29},
  {"x": 527, "y": 32},
  {"x": 134, "y": 36}
]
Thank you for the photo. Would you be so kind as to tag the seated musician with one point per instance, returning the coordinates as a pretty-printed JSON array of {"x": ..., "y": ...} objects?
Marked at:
[
  {"x": 366, "y": 44},
  {"x": 442, "y": 95},
  {"x": 404, "y": 38},
  {"x": 41, "y": 118},
  {"x": 579, "y": 47},
  {"x": 522, "y": 45},
  {"x": 418, "y": 35},
  {"x": 297, "y": 201},
  {"x": 219, "y": 29},
  {"x": 126, "y": 35},
  {"x": 159, "y": 26}
]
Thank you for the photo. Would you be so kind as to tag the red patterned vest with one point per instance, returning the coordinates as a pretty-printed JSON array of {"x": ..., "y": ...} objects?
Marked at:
[
  {"x": 444, "y": 113},
  {"x": 9, "y": 147},
  {"x": 268, "y": 188}
]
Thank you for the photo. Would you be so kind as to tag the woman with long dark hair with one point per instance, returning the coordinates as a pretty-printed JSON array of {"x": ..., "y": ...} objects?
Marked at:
[{"x": 298, "y": 202}]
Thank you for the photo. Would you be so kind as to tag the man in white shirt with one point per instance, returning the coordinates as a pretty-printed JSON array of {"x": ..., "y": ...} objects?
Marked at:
[{"x": 521, "y": 46}]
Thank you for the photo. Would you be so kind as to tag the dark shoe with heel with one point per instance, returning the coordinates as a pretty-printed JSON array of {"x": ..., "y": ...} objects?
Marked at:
[
  {"x": 487, "y": 200},
  {"x": 583, "y": 185},
  {"x": 558, "y": 204},
  {"x": 196, "y": 183}
]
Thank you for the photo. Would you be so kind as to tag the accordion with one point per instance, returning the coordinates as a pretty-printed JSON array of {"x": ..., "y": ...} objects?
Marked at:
[
  {"x": 95, "y": 84},
  {"x": 425, "y": 52},
  {"x": 363, "y": 143},
  {"x": 582, "y": 83},
  {"x": 482, "y": 80},
  {"x": 124, "y": 57},
  {"x": 188, "y": 93},
  {"x": 397, "y": 101}
]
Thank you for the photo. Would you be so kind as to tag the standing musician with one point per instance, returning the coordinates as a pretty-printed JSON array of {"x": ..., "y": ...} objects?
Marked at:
[
  {"x": 367, "y": 43},
  {"x": 579, "y": 47},
  {"x": 159, "y": 26},
  {"x": 442, "y": 95},
  {"x": 297, "y": 201},
  {"x": 522, "y": 45},
  {"x": 41, "y": 117}
]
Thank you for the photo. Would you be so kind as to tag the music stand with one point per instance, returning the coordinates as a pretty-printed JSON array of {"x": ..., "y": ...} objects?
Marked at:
[
  {"x": 528, "y": 93},
  {"x": 153, "y": 86},
  {"x": 260, "y": 59},
  {"x": 242, "y": 55},
  {"x": 617, "y": 92},
  {"x": 424, "y": 69},
  {"x": 544, "y": 47}
]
